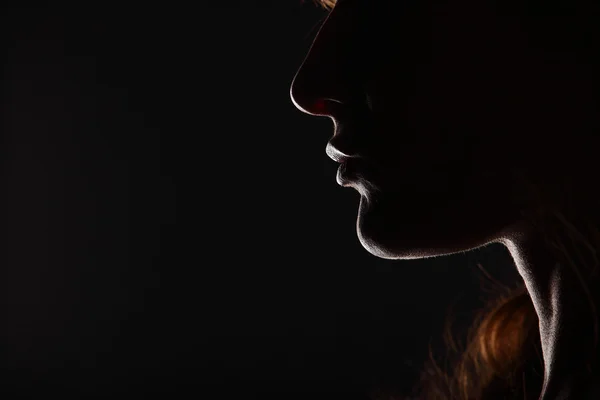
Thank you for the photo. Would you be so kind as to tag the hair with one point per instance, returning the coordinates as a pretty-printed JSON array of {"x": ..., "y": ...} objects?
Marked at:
[
  {"x": 492, "y": 363},
  {"x": 502, "y": 355},
  {"x": 326, "y": 4}
]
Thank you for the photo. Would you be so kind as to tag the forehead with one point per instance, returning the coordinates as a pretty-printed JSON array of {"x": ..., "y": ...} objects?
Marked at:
[{"x": 422, "y": 15}]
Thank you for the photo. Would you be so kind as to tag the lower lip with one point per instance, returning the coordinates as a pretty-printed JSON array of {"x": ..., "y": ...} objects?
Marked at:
[
  {"x": 341, "y": 178},
  {"x": 346, "y": 175}
]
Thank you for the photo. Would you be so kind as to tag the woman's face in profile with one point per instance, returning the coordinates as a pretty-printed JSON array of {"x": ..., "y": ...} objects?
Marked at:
[{"x": 434, "y": 103}]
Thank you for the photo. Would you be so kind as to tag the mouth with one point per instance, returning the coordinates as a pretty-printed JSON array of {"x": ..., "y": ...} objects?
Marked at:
[{"x": 342, "y": 176}]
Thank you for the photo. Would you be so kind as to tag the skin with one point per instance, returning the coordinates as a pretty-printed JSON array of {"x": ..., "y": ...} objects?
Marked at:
[{"x": 439, "y": 108}]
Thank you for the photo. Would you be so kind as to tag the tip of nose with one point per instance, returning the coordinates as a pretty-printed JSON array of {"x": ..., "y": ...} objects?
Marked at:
[
  {"x": 307, "y": 104},
  {"x": 295, "y": 102}
]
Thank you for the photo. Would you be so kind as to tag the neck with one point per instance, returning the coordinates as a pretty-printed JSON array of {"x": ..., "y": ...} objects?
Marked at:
[{"x": 565, "y": 300}]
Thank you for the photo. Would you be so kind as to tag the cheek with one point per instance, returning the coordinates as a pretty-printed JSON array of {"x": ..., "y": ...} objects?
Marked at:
[{"x": 480, "y": 125}]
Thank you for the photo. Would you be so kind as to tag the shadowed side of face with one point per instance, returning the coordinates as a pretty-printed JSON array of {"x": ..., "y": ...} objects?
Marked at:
[{"x": 435, "y": 103}]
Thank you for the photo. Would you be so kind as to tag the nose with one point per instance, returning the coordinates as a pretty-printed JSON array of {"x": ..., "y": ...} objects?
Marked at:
[{"x": 327, "y": 79}]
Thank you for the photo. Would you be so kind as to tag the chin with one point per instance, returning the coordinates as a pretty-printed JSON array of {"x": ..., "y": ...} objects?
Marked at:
[{"x": 386, "y": 234}]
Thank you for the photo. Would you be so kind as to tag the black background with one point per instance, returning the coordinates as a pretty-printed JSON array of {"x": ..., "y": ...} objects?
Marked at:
[{"x": 173, "y": 225}]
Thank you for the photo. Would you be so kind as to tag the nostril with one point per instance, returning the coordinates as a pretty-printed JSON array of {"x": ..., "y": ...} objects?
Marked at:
[
  {"x": 320, "y": 106},
  {"x": 326, "y": 106}
]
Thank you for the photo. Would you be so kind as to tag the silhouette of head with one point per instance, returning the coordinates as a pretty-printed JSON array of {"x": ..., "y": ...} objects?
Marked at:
[{"x": 442, "y": 108}]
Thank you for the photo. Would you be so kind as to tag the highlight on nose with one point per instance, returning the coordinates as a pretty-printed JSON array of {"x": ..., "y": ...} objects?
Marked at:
[{"x": 307, "y": 104}]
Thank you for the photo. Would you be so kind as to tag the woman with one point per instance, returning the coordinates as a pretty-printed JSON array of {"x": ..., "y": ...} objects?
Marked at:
[{"x": 468, "y": 122}]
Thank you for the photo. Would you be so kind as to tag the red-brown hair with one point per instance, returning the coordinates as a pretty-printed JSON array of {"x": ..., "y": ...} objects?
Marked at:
[{"x": 501, "y": 358}]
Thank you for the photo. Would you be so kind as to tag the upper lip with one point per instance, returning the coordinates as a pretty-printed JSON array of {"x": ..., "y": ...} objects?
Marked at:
[{"x": 335, "y": 154}]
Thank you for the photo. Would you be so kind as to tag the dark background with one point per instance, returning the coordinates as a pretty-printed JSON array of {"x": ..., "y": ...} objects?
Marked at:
[{"x": 173, "y": 225}]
